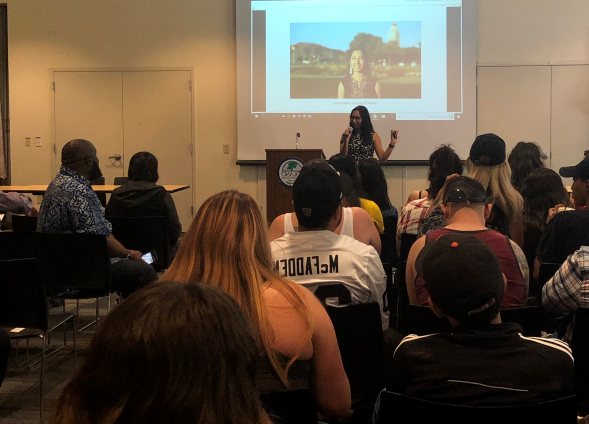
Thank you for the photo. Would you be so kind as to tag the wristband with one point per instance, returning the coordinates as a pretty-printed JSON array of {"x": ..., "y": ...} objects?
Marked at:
[
  {"x": 392, "y": 146},
  {"x": 129, "y": 256}
]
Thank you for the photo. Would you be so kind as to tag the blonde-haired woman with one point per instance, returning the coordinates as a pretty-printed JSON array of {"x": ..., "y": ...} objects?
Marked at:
[
  {"x": 227, "y": 246},
  {"x": 486, "y": 163}
]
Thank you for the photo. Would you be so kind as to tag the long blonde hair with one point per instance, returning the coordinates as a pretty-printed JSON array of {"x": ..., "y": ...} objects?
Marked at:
[
  {"x": 497, "y": 181},
  {"x": 227, "y": 246}
]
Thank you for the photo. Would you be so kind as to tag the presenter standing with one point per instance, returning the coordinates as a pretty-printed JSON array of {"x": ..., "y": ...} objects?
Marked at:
[{"x": 360, "y": 141}]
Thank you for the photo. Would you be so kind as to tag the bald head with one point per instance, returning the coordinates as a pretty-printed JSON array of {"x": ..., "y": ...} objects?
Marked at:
[
  {"x": 76, "y": 151},
  {"x": 80, "y": 156}
]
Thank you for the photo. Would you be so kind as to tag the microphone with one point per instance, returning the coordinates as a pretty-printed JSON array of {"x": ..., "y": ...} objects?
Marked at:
[{"x": 297, "y": 139}]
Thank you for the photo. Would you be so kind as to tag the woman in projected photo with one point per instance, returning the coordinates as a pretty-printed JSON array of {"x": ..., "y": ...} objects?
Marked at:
[
  {"x": 359, "y": 84},
  {"x": 360, "y": 141}
]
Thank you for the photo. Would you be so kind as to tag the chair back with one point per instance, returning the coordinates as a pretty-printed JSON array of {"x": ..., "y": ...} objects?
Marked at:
[
  {"x": 407, "y": 241},
  {"x": 78, "y": 261},
  {"x": 528, "y": 317},
  {"x": 388, "y": 241},
  {"x": 101, "y": 196},
  {"x": 399, "y": 409},
  {"x": 358, "y": 329},
  {"x": 143, "y": 234},
  {"x": 421, "y": 320},
  {"x": 23, "y": 302},
  {"x": 580, "y": 348},
  {"x": 547, "y": 271},
  {"x": 290, "y": 406},
  {"x": 333, "y": 290},
  {"x": 24, "y": 224},
  {"x": 17, "y": 245},
  {"x": 120, "y": 180}
]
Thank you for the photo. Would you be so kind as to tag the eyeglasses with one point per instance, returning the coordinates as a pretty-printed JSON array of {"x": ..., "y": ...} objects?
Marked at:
[
  {"x": 459, "y": 196},
  {"x": 355, "y": 118}
]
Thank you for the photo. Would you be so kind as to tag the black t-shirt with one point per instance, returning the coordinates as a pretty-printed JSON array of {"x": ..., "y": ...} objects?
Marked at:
[{"x": 564, "y": 234}]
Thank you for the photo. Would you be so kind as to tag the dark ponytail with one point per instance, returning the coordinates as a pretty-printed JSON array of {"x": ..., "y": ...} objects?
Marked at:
[{"x": 442, "y": 162}]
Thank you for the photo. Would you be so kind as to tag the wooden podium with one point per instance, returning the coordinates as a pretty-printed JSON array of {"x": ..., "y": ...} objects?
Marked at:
[{"x": 279, "y": 193}]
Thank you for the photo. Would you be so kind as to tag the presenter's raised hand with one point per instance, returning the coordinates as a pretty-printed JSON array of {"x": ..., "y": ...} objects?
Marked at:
[
  {"x": 346, "y": 134},
  {"x": 394, "y": 137}
]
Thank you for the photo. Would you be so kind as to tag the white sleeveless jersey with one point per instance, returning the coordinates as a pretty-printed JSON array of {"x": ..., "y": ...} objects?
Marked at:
[{"x": 347, "y": 223}]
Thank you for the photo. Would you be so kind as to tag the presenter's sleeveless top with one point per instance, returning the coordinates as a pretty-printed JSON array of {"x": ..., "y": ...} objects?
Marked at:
[
  {"x": 365, "y": 89},
  {"x": 359, "y": 150},
  {"x": 347, "y": 224},
  {"x": 515, "y": 292}
]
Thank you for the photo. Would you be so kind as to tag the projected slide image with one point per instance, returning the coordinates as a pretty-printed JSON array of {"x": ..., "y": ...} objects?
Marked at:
[{"x": 355, "y": 60}]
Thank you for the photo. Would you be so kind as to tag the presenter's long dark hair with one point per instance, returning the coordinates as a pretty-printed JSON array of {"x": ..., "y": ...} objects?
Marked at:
[{"x": 366, "y": 130}]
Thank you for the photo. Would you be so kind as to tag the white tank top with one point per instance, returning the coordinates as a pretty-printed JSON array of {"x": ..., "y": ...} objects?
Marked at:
[{"x": 347, "y": 224}]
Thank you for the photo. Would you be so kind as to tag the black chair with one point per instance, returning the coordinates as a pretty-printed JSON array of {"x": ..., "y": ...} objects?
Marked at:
[
  {"x": 290, "y": 407},
  {"x": 528, "y": 317},
  {"x": 331, "y": 291},
  {"x": 24, "y": 224},
  {"x": 75, "y": 266},
  {"x": 399, "y": 409},
  {"x": 144, "y": 234},
  {"x": 407, "y": 241},
  {"x": 358, "y": 329},
  {"x": 101, "y": 196},
  {"x": 120, "y": 180},
  {"x": 388, "y": 240},
  {"x": 24, "y": 310},
  {"x": 17, "y": 245},
  {"x": 391, "y": 305},
  {"x": 547, "y": 271},
  {"x": 580, "y": 348}
]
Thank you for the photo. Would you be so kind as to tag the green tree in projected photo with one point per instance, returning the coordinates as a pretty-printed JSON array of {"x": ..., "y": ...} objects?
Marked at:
[{"x": 316, "y": 69}]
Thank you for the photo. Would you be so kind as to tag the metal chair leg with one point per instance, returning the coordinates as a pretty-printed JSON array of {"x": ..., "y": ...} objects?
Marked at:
[{"x": 41, "y": 383}]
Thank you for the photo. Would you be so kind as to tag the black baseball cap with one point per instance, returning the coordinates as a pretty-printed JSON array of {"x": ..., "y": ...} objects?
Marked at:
[
  {"x": 317, "y": 193},
  {"x": 580, "y": 170},
  {"x": 488, "y": 150},
  {"x": 463, "y": 278}
]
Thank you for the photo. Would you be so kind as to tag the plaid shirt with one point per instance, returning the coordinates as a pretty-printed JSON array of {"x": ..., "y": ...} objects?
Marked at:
[
  {"x": 411, "y": 216},
  {"x": 568, "y": 289}
]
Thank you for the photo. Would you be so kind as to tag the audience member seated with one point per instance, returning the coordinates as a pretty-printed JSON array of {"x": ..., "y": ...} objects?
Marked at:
[
  {"x": 480, "y": 361},
  {"x": 566, "y": 231},
  {"x": 355, "y": 197},
  {"x": 375, "y": 187},
  {"x": 4, "y": 353},
  {"x": 524, "y": 158},
  {"x": 466, "y": 208},
  {"x": 141, "y": 196},
  {"x": 355, "y": 223},
  {"x": 486, "y": 164},
  {"x": 71, "y": 206},
  {"x": 227, "y": 246},
  {"x": 541, "y": 191},
  {"x": 315, "y": 254},
  {"x": 442, "y": 163},
  {"x": 568, "y": 290},
  {"x": 177, "y": 353},
  {"x": 16, "y": 203}
]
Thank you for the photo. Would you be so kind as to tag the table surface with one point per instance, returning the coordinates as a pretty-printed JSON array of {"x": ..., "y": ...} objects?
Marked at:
[{"x": 40, "y": 188}]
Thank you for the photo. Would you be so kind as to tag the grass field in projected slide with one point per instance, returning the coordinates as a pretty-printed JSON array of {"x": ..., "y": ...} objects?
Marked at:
[{"x": 355, "y": 60}]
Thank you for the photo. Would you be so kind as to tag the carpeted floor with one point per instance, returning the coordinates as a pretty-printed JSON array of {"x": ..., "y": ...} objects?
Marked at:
[{"x": 19, "y": 394}]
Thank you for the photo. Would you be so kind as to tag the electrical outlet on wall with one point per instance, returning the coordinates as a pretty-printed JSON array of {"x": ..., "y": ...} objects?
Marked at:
[
  {"x": 226, "y": 149},
  {"x": 28, "y": 141},
  {"x": 38, "y": 141}
]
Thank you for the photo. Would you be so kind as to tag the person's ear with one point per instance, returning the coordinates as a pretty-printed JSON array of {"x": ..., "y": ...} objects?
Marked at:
[
  {"x": 488, "y": 208},
  {"x": 445, "y": 210},
  {"x": 437, "y": 311}
]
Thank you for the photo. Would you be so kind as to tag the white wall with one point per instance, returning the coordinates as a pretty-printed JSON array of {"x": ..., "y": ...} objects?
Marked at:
[{"x": 45, "y": 35}]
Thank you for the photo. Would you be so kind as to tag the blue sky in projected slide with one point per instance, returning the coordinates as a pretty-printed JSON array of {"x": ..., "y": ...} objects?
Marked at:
[{"x": 338, "y": 35}]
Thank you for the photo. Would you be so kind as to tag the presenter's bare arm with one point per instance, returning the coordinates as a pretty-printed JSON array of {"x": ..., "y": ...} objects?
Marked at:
[
  {"x": 383, "y": 155},
  {"x": 343, "y": 142}
]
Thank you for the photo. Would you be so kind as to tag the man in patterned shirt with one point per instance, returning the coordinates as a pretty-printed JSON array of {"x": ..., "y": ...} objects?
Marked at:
[
  {"x": 568, "y": 289},
  {"x": 71, "y": 206}
]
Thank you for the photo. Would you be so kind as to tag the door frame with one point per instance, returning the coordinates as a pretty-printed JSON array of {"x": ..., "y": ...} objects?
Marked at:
[{"x": 53, "y": 71}]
